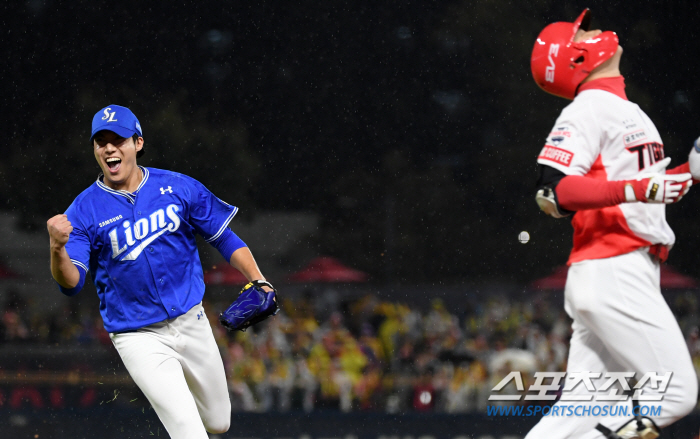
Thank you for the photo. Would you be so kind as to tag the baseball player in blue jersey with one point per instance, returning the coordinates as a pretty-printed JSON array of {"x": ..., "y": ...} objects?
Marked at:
[{"x": 134, "y": 231}]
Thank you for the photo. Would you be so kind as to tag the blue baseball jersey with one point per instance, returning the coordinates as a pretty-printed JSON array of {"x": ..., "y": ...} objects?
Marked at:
[{"x": 140, "y": 247}]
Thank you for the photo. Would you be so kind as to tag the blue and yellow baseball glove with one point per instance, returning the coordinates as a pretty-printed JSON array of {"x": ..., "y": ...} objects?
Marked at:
[{"x": 252, "y": 306}]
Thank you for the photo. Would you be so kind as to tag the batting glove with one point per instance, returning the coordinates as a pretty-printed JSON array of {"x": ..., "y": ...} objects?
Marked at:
[{"x": 658, "y": 188}]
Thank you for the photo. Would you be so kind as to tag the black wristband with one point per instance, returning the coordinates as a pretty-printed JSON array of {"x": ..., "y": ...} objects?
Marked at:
[{"x": 260, "y": 282}]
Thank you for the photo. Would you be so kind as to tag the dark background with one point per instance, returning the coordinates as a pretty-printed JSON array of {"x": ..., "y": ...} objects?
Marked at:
[{"x": 412, "y": 128}]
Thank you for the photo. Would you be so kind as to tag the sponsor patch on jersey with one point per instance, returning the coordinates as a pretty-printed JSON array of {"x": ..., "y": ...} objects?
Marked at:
[
  {"x": 556, "y": 155},
  {"x": 560, "y": 131},
  {"x": 556, "y": 140},
  {"x": 110, "y": 221},
  {"x": 558, "y": 135},
  {"x": 634, "y": 137}
]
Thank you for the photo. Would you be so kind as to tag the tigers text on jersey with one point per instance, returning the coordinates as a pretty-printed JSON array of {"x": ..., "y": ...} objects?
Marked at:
[
  {"x": 140, "y": 247},
  {"x": 602, "y": 135}
]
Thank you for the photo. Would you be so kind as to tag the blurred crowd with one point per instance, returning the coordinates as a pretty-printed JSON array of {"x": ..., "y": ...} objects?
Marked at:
[
  {"x": 366, "y": 353},
  {"x": 377, "y": 355}
]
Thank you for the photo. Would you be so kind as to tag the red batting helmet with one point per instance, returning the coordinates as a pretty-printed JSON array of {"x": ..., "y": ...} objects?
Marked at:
[{"x": 559, "y": 65}]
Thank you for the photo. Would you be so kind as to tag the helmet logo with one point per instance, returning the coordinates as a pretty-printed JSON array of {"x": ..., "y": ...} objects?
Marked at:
[{"x": 549, "y": 71}]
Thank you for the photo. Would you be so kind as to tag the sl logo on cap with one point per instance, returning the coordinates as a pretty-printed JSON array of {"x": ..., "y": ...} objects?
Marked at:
[{"x": 109, "y": 117}]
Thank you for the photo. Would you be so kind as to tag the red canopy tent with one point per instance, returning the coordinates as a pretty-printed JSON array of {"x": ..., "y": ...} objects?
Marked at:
[
  {"x": 224, "y": 274},
  {"x": 670, "y": 279},
  {"x": 555, "y": 281},
  {"x": 327, "y": 269}
]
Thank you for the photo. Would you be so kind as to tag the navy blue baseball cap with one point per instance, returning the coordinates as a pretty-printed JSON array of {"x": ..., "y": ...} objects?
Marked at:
[{"x": 117, "y": 119}]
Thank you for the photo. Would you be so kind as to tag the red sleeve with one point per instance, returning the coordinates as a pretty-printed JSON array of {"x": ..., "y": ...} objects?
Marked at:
[
  {"x": 580, "y": 193},
  {"x": 680, "y": 169}
]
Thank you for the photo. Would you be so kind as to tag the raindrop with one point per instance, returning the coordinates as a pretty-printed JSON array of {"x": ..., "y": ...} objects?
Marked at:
[{"x": 404, "y": 33}]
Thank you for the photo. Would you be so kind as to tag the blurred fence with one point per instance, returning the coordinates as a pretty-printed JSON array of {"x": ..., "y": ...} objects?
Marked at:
[
  {"x": 107, "y": 423},
  {"x": 84, "y": 392}
]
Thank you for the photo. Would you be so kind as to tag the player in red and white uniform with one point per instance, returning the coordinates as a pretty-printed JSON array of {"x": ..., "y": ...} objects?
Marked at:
[{"x": 603, "y": 162}]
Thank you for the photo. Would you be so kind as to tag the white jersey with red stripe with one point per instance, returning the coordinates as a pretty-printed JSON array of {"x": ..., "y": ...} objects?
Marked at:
[{"x": 603, "y": 135}]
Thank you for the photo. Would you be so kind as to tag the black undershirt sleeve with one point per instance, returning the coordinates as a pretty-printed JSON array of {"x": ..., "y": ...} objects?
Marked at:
[
  {"x": 549, "y": 177},
  {"x": 548, "y": 180}
]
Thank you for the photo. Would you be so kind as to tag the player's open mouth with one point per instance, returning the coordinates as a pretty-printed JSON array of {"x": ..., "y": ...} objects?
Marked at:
[{"x": 114, "y": 163}]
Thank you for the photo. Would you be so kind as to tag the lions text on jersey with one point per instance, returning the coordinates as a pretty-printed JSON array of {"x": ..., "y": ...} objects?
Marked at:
[{"x": 140, "y": 247}]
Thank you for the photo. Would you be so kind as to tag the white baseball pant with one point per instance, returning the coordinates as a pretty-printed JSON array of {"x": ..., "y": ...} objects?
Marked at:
[
  {"x": 177, "y": 365},
  {"x": 621, "y": 324}
]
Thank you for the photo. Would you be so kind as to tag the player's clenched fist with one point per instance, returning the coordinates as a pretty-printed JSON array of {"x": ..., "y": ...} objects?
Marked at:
[{"x": 59, "y": 229}]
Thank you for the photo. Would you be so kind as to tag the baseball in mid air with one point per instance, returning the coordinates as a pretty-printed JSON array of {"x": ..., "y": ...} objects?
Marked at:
[{"x": 524, "y": 237}]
